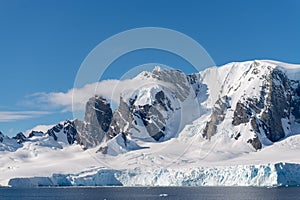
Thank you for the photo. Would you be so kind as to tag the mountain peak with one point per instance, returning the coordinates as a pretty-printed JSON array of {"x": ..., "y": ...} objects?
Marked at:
[{"x": 157, "y": 68}]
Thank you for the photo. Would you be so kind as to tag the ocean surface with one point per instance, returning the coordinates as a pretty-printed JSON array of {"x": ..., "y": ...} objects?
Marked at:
[{"x": 77, "y": 193}]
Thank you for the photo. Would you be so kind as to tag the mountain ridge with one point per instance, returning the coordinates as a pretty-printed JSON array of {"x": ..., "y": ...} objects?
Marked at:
[
  {"x": 170, "y": 88},
  {"x": 242, "y": 113}
]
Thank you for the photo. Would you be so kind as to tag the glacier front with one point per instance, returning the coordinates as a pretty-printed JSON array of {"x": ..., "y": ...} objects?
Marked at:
[{"x": 270, "y": 175}]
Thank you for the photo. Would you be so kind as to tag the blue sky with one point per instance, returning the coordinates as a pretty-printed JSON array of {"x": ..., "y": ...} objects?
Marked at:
[{"x": 43, "y": 43}]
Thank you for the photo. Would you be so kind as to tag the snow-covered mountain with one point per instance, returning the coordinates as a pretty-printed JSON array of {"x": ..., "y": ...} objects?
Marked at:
[
  {"x": 234, "y": 117},
  {"x": 252, "y": 103}
]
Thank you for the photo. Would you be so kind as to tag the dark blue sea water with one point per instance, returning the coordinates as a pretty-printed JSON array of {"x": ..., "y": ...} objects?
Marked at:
[{"x": 77, "y": 193}]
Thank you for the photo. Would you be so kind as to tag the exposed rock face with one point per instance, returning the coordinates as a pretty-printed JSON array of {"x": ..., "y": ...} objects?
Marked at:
[
  {"x": 279, "y": 101},
  {"x": 216, "y": 118},
  {"x": 1, "y": 136},
  {"x": 266, "y": 102},
  {"x": 146, "y": 112},
  {"x": 68, "y": 128},
  {"x": 241, "y": 114},
  {"x": 255, "y": 142},
  {"x": 20, "y": 137},
  {"x": 255, "y": 124},
  {"x": 96, "y": 123},
  {"x": 51, "y": 132},
  {"x": 152, "y": 117},
  {"x": 35, "y": 133},
  {"x": 153, "y": 120},
  {"x": 9, "y": 144},
  {"x": 87, "y": 135},
  {"x": 70, "y": 131},
  {"x": 98, "y": 112},
  {"x": 162, "y": 101},
  {"x": 295, "y": 103},
  {"x": 193, "y": 79},
  {"x": 175, "y": 79},
  {"x": 122, "y": 119}
]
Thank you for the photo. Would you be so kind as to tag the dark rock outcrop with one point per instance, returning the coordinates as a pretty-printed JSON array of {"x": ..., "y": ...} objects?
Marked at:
[
  {"x": 52, "y": 132},
  {"x": 35, "y": 133},
  {"x": 276, "y": 102},
  {"x": 295, "y": 103},
  {"x": 241, "y": 114},
  {"x": 1, "y": 136},
  {"x": 70, "y": 131},
  {"x": 98, "y": 117},
  {"x": 67, "y": 127},
  {"x": 162, "y": 101},
  {"x": 174, "y": 78},
  {"x": 237, "y": 136},
  {"x": 278, "y": 105},
  {"x": 255, "y": 142},
  {"x": 98, "y": 113},
  {"x": 152, "y": 117},
  {"x": 193, "y": 79},
  {"x": 254, "y": 124},
  {"x": 152, "y": 120},
  {"x": 217, "y": 116},
  {"x": 20, "y": 137},
  {"x": 122, "y": 119}
]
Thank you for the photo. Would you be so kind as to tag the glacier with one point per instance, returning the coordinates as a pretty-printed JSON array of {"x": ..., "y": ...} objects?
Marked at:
[{"x": 270, "y": 175}]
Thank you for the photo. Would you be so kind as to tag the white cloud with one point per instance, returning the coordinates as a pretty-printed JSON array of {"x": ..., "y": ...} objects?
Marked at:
[
  {"x": 10, "y": 116},
  {"x": 109, "y": 89},
  {"x": 75, "y": 96}
]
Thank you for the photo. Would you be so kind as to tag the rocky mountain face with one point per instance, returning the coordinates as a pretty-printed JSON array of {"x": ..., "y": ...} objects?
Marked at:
[
  {"x": 217, "y": 116},
  {"x": 1, "y": 136},
  {"x": 265, "y": 114},
  {"x": 9, "y": 144},
  {"x": 254, "y": 103},
  {"x": 151, "y": 113},
  {"x": 20, "y": 138},
  {"x": 67, "y": 128},
  {"x": 93, "y": 130},
  {"x": 265, "y": 99},
  {"x": 278, "y": 103}
]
